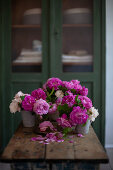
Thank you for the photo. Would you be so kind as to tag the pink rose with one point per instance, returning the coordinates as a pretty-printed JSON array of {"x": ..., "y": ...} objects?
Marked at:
[
  {"x": 28, "y": 103},
  {"x": 41, "y": 107},
  {"x": 63, "y": 122},
  {"x": 54, "y": 83},
  {"x": 58, "y": 100},
  {"x": 39, "y": 94},
  {"x": 44, "y": 125},
  {"x": 87, "y": 103},
  {"x": 70, "y": 100},
  {"x": 68, "y": 85},
  {"x": 84, "y": 91},
  {"x": 53, "y": 108},
  {"x": 64, "y": 116},
  {"x": 78, "y": 116}
]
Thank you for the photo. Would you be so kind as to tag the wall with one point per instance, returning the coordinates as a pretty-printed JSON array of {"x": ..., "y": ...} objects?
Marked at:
[{"x": 109, "y": 74}]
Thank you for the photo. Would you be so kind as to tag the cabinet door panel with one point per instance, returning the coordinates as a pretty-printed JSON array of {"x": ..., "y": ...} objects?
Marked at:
[
  {"x": 78, "y": 40},
  {"x": 20, "y": 29},
  {"x": 26, "y": 36},
  {"x": 77, "y": 36}
]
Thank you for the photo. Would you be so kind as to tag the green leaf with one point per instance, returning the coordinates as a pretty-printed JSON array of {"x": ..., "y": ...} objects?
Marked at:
[
  {"x": 64, "y": 89},
  {"x": 51, "y": 92},
  {"x": 22, "y": 97},
  {"x": 64, "y": 109},
  {"x": 78, "y": 101},
  {"x": 66, "y": 130},
  {"x": 66, "y": 94},
  {"x": 73, "y": 91},
  {"x": 76, "y": 98},
  {"x": 83, "y": 107},
  {"x": 48, "y": 89},
  {"x": 47, "y": 93},
  {"x": 45, "y": 117}
]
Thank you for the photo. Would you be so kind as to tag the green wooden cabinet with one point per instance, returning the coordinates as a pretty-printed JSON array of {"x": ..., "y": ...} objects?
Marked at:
[{"x": 60, "y": 36}]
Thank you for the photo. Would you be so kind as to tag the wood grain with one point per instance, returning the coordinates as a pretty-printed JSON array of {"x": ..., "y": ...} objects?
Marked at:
[
  {"x": 89, "y": 148},
  {"x": 60, "y": 151},
  {"x": 86, "y": 149},
  {"x": 21, "y": 147}
]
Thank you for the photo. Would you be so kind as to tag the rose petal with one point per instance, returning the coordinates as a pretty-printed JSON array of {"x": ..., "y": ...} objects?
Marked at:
[
  {"x": 71, "y": 141},
  {"x": 46, "y": 143},
  {"x": 34, "y": 139},
  {"x": 71, "y": 137},
  {"x": 41, "y": 141},
  {"x": 40, "y": 138},
  {"x": 80, "y": 135},
  {"x": 60, "y": 140}
]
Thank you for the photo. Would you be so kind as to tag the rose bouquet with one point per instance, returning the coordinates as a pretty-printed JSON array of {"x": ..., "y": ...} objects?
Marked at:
[
  {"x": 69, "y": 99},
  {"x": 66, "y": 100}
]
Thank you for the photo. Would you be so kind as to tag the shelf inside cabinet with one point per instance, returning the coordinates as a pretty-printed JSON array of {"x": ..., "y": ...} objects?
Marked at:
[
  {"x": 26, "y": 26},
  {"x": 26, "y": 64},
  {"x": 77, "y": 25},
  {"x": 77, "y": 63}
]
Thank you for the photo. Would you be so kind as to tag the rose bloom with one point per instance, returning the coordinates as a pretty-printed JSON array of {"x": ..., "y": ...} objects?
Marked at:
[
  {"x": 59, "y": 93},
  {"x": 68, "y": 85},
  {"x": 87, "y": 103},
  {"x": 54, "y": 83},
  {"x": 28, "y": 103},
  {"x": 53, "y": 108},
  {"x": 64, "y": 116},
  {"x": 93, "y": 113},
  {"x": 14, "y": 107},
  {"x": 78, "y": 116},
  {"x": 18, "y": 96},
  {"x": 41, "y": 107},
  {"x": 63, "y": 122},
  {"x": 75, "y": 82},
  {"x": 69, "y": 92},
  {"x": 78, "y": 88},
  {"x": 39, "y": 94},
  {"x": 44, "y": 125},
  {"x": 84, "y": 91},
  {"x": 44, "y": 86},
  {"x": 70, "y": 100}
]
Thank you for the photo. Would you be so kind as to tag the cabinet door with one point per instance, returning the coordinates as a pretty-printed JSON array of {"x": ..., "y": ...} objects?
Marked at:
[
  {"x": 76, "y": 47},
  {"x": 26, "y": 36},
  {"x": 24, "y": 53}
]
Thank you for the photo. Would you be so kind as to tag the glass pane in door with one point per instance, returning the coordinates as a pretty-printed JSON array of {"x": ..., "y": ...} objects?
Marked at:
[
  {"x": 77, "y": 36},
  {"x": 26, "y": 36}
]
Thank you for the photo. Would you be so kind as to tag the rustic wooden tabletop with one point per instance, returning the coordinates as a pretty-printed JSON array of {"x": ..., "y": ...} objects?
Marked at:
[{"x": 86, "y": 149}]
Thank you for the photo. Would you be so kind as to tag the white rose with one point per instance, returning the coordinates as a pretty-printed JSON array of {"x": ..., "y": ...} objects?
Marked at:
[
  {"x": 14, "y": 107},
  {"x": 59, "y": 93},
  {"x": 93, "y": 113},
  {"x": 91, "y": 118},
  {"x": 18, "y": 95}
]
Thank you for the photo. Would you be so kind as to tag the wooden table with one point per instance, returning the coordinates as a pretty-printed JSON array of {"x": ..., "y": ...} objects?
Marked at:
[{"x": 84, "y": 150}]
